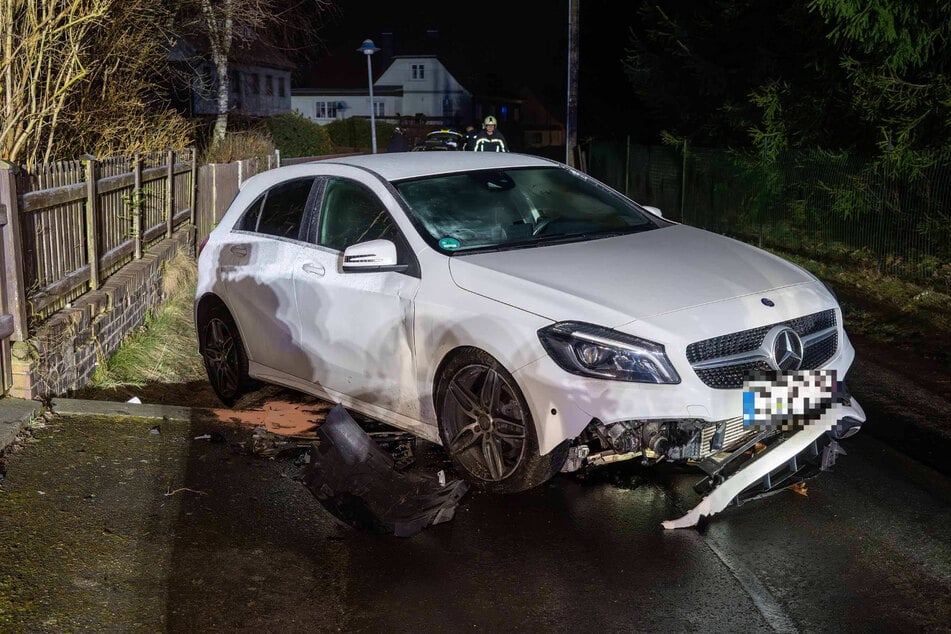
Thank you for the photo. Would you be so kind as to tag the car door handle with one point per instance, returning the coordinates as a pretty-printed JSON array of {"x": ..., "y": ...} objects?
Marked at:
[
  {"x": 239, "y": 250},
  {"x": 311, "y": 267}
]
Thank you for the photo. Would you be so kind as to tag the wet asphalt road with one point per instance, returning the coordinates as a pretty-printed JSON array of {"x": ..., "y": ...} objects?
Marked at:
[{"x": 116, "y": 542}]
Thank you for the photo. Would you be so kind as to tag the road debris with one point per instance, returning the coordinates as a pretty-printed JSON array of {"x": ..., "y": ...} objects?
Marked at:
[
  {"x": 359, "y": 483},
  {"x": 271, "y": 445},
  {"x": 170, "y": 493},
  {"x": 215, "y": 437},
  {"x": 800, "y": 489}
]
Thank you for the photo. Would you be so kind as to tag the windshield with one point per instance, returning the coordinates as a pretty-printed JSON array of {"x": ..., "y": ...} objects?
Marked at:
[{"x": 515, "y": 208}]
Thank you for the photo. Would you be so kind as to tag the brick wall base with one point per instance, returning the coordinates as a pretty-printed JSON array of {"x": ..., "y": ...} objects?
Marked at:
[{"x": 67, "y": 347}]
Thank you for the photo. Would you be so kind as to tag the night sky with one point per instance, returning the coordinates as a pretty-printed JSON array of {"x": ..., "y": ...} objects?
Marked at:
[{"x": 521, "y": 42}]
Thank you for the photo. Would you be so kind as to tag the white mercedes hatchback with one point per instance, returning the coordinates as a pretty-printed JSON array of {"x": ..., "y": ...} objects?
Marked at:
[{"x": 520, "y": 313}]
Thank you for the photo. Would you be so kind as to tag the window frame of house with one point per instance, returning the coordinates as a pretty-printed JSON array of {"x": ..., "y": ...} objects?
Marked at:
[
  {"x": 281, "y": 87},
  {"x": 255, "y": 80},
  {"x": 325, "y": 109},
  {"x": 418, "y": 71},
  {"x": 269, "y": 85}
]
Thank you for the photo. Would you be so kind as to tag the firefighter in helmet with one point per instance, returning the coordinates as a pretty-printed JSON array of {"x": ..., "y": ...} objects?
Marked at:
[{"x": 489, "y": 138}]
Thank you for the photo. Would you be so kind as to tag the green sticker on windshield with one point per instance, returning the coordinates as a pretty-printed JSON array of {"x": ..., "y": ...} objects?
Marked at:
[{"x": 449, "y": 244}]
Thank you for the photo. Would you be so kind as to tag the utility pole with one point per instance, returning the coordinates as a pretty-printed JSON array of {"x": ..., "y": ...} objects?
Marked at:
[{"x": 571, "y": 125}]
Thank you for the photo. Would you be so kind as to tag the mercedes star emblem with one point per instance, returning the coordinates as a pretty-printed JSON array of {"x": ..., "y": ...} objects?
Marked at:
[{"x": 784, "y": 348}]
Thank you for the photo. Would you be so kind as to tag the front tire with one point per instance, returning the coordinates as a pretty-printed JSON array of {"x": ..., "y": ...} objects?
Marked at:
[
  {"x": 487, "y": 428},
  {"x": 222, "y": 350}
]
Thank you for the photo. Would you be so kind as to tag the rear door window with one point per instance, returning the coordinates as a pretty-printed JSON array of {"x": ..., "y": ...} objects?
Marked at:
[{"x": 283, "y": 209}]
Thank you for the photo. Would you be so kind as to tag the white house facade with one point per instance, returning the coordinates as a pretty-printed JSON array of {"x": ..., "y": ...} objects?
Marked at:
[
  {"x": 324, "y": 106},
  {"x": 411, "y": 85}
]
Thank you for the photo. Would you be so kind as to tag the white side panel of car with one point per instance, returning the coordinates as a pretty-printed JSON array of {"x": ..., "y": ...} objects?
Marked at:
[
  {"x": 253, "y": 271},
  {"x": 357, "y": 330}
]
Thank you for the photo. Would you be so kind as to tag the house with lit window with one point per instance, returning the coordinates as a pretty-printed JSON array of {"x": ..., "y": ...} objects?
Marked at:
[{"x": 417, "y": 86}]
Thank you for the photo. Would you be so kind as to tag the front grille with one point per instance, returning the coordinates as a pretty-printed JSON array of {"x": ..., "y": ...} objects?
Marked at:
[{"x": 732, "y": 376}]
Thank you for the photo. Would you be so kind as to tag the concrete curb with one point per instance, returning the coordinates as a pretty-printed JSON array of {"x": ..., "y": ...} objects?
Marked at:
[
  {"x": 17, "y": 413},
  {"x": 79, "y": 407}
]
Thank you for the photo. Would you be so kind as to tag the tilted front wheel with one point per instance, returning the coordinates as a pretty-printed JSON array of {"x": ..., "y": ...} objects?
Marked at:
[
  {"x": 487, "y": 428},
  {"x": 223, "y": 352}
]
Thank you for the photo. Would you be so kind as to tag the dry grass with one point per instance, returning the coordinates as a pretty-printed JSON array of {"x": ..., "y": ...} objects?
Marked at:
[
  {"x": 888, "y": 309},
  {"x": 160, "y": 360},
  {"x": 240, "y": 145}
]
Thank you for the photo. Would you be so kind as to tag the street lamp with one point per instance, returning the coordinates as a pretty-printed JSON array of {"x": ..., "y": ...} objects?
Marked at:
[{"x": 368, "y": 49}]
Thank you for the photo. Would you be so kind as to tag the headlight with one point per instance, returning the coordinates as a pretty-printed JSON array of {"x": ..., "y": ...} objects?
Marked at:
[{"x": 602, "y": 353}]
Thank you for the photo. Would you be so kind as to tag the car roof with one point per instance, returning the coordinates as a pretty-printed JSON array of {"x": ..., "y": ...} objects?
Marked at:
[{"x": 401, "y": 165}]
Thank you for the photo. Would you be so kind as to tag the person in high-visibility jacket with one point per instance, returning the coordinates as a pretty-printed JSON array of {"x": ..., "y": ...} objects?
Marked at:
[{"x": 489, "y": 139}]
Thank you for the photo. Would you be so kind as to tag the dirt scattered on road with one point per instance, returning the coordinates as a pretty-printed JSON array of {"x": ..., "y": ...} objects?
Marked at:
[{"x": 284, "y": 417}]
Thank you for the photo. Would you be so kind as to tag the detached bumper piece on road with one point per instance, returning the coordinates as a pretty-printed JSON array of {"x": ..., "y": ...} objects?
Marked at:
[
  {"x": 358, "y": 483},
  {"x": 787, "y": 461}
]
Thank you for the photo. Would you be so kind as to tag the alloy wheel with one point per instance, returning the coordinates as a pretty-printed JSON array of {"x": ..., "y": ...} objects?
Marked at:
[
  {"x": 485, "y": 422},
  {"x": 221, "y": 357}
]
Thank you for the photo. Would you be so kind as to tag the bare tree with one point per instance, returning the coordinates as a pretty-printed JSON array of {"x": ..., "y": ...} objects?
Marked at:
[
  {"x": 78, "y": 77},
  {"x": 43, "y": 64},
  {"x": 226, "y": 22}
]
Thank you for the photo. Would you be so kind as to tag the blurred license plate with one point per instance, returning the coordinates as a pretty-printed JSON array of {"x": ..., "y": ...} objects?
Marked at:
[{"x": 787, "y": 399}]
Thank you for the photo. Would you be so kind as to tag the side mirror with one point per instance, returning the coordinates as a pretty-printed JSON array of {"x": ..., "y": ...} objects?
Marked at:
[
  {"x": 374, "y": 256},
  {"x": 654, "y": 210}
]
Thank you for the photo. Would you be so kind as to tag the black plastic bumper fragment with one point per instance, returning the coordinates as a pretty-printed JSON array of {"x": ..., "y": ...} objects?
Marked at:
[{"x": 358, "y": 482}]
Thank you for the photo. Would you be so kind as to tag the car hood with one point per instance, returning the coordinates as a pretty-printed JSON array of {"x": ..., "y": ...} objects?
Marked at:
[{"x": 617, "y": 280}]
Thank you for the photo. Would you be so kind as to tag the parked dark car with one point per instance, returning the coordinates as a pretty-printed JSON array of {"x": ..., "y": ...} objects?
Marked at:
[{"x": 441, "y": 140}]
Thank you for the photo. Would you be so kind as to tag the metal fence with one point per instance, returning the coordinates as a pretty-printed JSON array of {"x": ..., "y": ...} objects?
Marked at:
[{"x": 832, "y": 207}]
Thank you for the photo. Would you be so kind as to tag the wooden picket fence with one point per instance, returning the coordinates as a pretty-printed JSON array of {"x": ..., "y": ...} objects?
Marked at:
[{"x": 81, "y": 221}]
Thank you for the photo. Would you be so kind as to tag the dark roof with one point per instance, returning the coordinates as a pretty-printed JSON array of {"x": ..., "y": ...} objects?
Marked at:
[
  {"x": 378, "y": 91},
  {"x": 253, "y": 52},
  {"x": 343, "y": 68},
  {"x": 258, "y": 52}
]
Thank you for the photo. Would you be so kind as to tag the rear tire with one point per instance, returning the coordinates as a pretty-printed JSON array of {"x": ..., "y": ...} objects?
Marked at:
[
  {"x": 222, "y": 350},
  {"x": 487, "y": 428}
]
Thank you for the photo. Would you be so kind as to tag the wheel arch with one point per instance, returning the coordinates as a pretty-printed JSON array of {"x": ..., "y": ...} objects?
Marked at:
[
  {"x": 461, "y": 349},
  {"x": 533, "y": 467},
  {"x": 446, "y": 359},
  {"x": 203, "y": 307}
]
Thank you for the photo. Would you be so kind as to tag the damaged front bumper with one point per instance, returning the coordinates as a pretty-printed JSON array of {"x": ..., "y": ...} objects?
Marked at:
[
  {"x": 786, "y": 460},
  {"x": 741, "y": 459}
]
